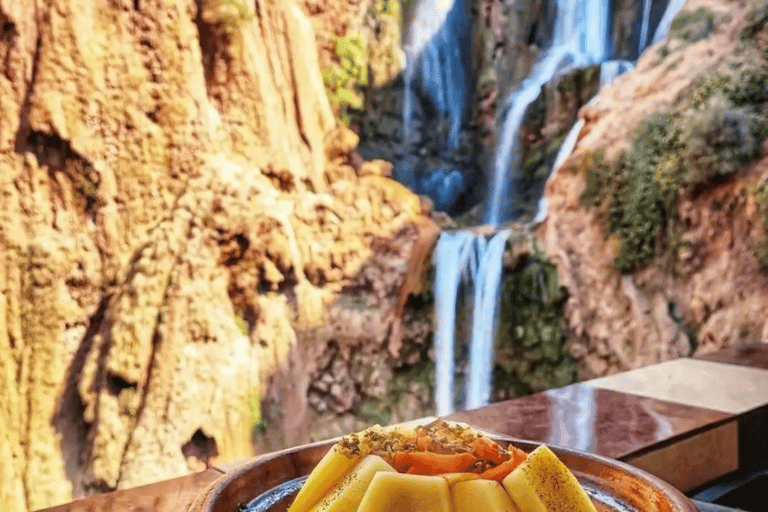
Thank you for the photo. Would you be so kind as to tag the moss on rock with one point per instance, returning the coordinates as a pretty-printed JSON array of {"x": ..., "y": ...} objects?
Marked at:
[
  {"x": 717, "y": 129},
  {"x": 228, "y": 15},
  {"x": 345, "y": 79},
  {"x": 760, "y": 195},
  {"x": 531, "y": 352},
  {"x": 719, "y": 141},
  {"x": 756, "y": 20},
  {"x": 692, "y": 26},
  {"x": 633, "y": 190}
]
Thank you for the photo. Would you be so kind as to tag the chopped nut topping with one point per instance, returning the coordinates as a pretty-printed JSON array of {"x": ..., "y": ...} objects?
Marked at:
[{"x": 436, "y": 437}]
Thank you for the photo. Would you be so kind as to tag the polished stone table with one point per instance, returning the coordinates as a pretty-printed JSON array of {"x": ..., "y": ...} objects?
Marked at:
[{"x": 687, "y": 421}]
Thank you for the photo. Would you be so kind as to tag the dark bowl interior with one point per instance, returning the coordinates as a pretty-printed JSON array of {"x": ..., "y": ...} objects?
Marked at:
[{"x": 613, "y": 486}]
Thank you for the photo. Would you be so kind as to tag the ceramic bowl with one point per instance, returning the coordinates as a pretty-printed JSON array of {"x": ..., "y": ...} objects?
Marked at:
[{"x": 612, "y": 485}]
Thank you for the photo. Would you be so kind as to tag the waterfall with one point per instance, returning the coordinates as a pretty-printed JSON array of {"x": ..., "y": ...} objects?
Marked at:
[
  {"x": 645, "y": 21},
  {"x": 610, "y": 70},
  {"x": 515, "y": 107},
  {"x": 452, "y": 254},
  {"x": 438, "y": 49},
  {"x": 581, "y": 37},
  {"x": 433, "y": 61},
  {"x": 662, "y": 29},
  {"x": 463, "y": 256},
  {"x": 487, "y": 281},
  {"x": 564, "y": 152}
]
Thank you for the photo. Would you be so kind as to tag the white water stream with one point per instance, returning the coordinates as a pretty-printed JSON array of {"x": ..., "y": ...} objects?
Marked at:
[
  {"x": 581, "y": 37},
  {"x": 662, "y": 29},
  {"x": 645, "y": 22},
  {"x": 487, "y": 279}
]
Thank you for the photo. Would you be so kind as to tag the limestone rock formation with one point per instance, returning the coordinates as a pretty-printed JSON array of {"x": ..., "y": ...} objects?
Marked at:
[
  {"x": 702, "y": 286},
  {"x": 176, "y": 212}
]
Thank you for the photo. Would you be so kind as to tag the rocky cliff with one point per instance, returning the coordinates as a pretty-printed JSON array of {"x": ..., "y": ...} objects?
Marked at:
[
  {"x": 657, "y": 221},
  {"x": 178, "y": 217},
  {"x": 192, "y": 249}
]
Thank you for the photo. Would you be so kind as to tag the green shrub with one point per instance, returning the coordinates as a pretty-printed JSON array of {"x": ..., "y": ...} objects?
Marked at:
[
  {"x": 227, "y": 15},
  {"x": 749, "y": 87},
  {"x": 717, "y": 129},
  {"x": 745, "y": 87},
  {"x": 719, "y": 141},
  {"x": 637, "y": 189},
  {"x": 531, "y": 353},
  {"x": 760, "y": 194},
  {"x": 692, "y": 26},
  {"x": 636, "y": 216},
  {"x": 344, "y": 79},
  {"x": 602, "y": 179},
  {"x": 756, "y": 20},
  {"x": 703, "y": 88}
]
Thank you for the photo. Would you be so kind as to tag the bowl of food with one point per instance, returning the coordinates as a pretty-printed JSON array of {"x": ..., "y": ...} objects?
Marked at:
[{"x": 437, "y": 467}]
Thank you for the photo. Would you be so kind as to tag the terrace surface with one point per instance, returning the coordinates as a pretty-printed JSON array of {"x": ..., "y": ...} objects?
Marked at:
[{"x": 687, "y": 421}]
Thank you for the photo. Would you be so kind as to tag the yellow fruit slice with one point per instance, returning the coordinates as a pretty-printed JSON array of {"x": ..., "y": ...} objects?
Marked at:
[
  {"x": 329, "y": 471},
  {"x": 347, "y": 495},
  {"x": 542, "y": 483},
  {"x": 396, "y": 492},
  {"x": 481, "y": 496}
]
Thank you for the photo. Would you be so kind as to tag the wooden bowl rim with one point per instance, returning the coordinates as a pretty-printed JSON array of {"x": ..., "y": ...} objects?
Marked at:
[{"x": 676, "y": 500}]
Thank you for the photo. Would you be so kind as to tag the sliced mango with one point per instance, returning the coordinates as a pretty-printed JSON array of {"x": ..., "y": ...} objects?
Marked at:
[
  {"x": 542, "y": 483},
  {"x": 396, "y": 492},
  {"x": 347, "y": 495},
  {"x": 329, "y": 471},
  {"x": 481, "y": 496}
]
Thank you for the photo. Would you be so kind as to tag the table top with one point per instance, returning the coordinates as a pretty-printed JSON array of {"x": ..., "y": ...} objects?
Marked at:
[{"x": 640, "y": 417}]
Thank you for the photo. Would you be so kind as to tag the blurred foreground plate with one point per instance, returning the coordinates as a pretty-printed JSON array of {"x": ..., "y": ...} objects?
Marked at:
[{"x": 612, "y": 485}]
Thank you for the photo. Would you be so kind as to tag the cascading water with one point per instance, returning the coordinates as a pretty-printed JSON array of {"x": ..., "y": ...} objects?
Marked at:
[
  {"x": 487, "y": 279},
  {"x": 610, "y": 70},
  {"x": 437, "y": 49},
  {"x": 464, "y": 257},
  {"x": 452, "y": 255},
  {"x": 662, "y": 29},
  {"x": 565, "y": 150},
  {"x": 581, "y": 37},
  {"x": 645, "y": 22}
]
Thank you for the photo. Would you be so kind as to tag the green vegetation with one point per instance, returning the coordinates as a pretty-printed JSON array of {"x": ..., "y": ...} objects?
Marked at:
[
  {"x": 344, "y": 79},
  {"x": 636, "y": 190},
  {"x": 717, "y": 130},
  {"x": 405, "y": 381},
  {"x": 531, "y": 351},
  {"x": 756, "y": 20},
  {"x": 386, "y": 8},
  {"x": 688, "y": 27},
  {"x": 253, "y": 405},
  {"x": 646, "y": 178},
  {"x": 227, "y": 15},
  {"x": 760, "y": 194},
  {"x": 719, "y": 141},
  {"x": 746, "y": 86},
  {"x": 242, "y": 324},
  {"x": 692, "y": 26}
]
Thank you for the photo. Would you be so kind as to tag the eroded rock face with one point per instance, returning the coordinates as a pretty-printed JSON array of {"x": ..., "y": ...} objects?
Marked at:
[
  {"x": 177, "y": 214},
  {"x": 714, "y": 293}
]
